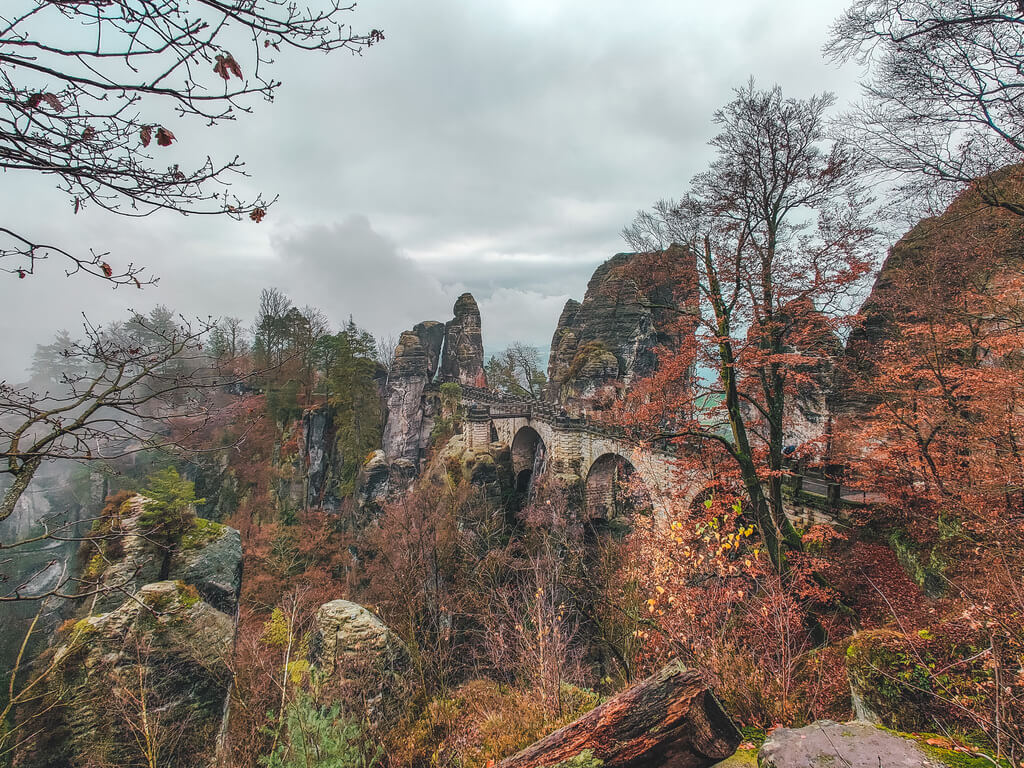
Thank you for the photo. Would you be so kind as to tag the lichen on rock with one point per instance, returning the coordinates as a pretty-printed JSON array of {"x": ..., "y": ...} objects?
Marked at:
[
  {"x": 360, "y": 657},
  {"x": 153, "y": 674}
]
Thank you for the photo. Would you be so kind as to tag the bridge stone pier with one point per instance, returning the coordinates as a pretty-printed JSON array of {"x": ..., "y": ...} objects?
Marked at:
[{"x": 544, "y": 439}]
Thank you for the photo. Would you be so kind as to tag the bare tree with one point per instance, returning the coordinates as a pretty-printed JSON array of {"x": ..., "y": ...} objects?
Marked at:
[
  {"x": 517, "y": 371},
  {"x": 776, "y": 228},
  {"x": 270, "y": 328},
  {"x": 117, "y": 395},
  {"x": 385, "y": 351},
  {"x": 229, "y": 339},
  {"x": 91, "y": 91},
  {"x": 944, "y": 98}
]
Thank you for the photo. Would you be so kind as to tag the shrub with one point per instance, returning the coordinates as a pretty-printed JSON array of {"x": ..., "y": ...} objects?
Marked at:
[{"x": 322, "y": 736}]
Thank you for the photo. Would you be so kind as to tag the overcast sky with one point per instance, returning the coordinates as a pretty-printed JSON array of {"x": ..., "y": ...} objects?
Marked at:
[{"x": 487, "y": 145}]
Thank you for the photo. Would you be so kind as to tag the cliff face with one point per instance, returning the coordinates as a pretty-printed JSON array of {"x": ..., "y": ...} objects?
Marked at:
[
  {"x": 969, "y": 250},
  {"x": 807, "y": 418},
  {"x": 634, "y": 302},
  {"x": 147, "y": 671},
  {"x": 430, "y": 354},
  {"x": 463, "y": 359},
  {"x": 408, "y": 418}
]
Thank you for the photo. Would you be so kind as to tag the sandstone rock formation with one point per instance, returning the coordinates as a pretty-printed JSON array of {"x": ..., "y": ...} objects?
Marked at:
[
  {"x": 317, "y": 429},
  {"x": 852, "y": 745},
  {"x": 360, "y": 656},
  {"x": 149, "y": 674},
  {"x": 412, "y": 402},
  {"x": 209, "y": 558},
  {"x": 156, "y": 667},
  {"x": 416, "y": 358},
  {"x": 634, "y": 302},
  {"x": 372, "y": 483},
  {"x": 970, "y": 249},
  {"x": 213, "y": 565},
  {"x": 463, "y": 358}
]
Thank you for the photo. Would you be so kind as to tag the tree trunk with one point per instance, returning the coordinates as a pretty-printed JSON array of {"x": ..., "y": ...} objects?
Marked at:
[
  {"x": 670, "y": 719},
  {"x": 22, "y": 479}
]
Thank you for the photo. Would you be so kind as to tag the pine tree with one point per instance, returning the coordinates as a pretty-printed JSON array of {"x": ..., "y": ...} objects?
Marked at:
[{"x": 169, "y": 512}]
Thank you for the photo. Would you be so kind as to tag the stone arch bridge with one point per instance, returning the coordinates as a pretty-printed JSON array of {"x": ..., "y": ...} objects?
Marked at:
[{"x": 544, "y": 439}]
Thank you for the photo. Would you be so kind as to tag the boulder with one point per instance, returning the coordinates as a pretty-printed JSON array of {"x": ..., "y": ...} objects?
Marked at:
[
  {"x": 847, "y": 745},
  {"x": 463, "y": 358},
  {"x": 361, "y": 658}
]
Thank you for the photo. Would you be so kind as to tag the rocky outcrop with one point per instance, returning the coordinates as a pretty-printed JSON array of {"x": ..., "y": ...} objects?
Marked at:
[
  {"x": 412, "y": 397},
  {"x": 209, "y": 557},
  {"x": 372, "y": 483},
  {"x": 318, "y": 445},
  {"x": 359, "y": 656},
  {"x": 634, "y": 303},
  {"x": 151, "y": 676},
  {"x": 463, "y": 358},
  {"x": 971, "y": 249},
  {"x": 147, "y": 667},
  {"x": 213, "y": 565},
  {"x": 408, "y": 427},
  {"x": 852, "y": 745}
]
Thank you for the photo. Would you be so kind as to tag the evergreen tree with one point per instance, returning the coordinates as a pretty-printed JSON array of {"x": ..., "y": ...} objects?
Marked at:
[{"x": 169, "y": 512}]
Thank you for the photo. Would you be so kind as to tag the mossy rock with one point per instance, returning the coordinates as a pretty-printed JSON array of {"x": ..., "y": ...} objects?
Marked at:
[
  {"x": 741, "y": 758},
  {"x": 906, "y": 682},
  {"x": 202, "y": 532},
  {"x": 827, "y": 744},
  {"x": 165, "y": 642},
  {"x": 890, "y": 686}
]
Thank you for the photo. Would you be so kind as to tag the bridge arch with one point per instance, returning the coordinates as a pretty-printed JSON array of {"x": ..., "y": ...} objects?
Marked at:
[
  {"x": 615, "y": 488},
  {"x": 529, "y": 457}
]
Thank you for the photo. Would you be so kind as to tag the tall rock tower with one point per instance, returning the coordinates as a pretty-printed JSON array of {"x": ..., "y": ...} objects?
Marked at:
[{"x": 462, "y": 360}]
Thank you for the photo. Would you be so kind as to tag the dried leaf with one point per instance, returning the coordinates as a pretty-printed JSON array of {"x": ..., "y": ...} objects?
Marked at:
[
  {"x": 257, "y": 214},
  {"x": 164, "y": 137},
  {"x": 146, "y": 135},
  {"x": 226, "y": 66}
]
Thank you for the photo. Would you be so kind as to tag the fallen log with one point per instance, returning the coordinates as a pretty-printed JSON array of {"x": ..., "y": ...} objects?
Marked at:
[{"x": 670, "y": 719}]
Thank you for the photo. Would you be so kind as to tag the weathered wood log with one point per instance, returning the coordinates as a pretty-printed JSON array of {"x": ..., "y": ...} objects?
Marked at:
[{"x": 670, "y": 719}]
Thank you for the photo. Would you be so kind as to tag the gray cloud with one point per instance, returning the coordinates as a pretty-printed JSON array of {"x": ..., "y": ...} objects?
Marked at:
[
  {"x": 347, "y": 268},
  {"x": 496, "y": 147}
]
